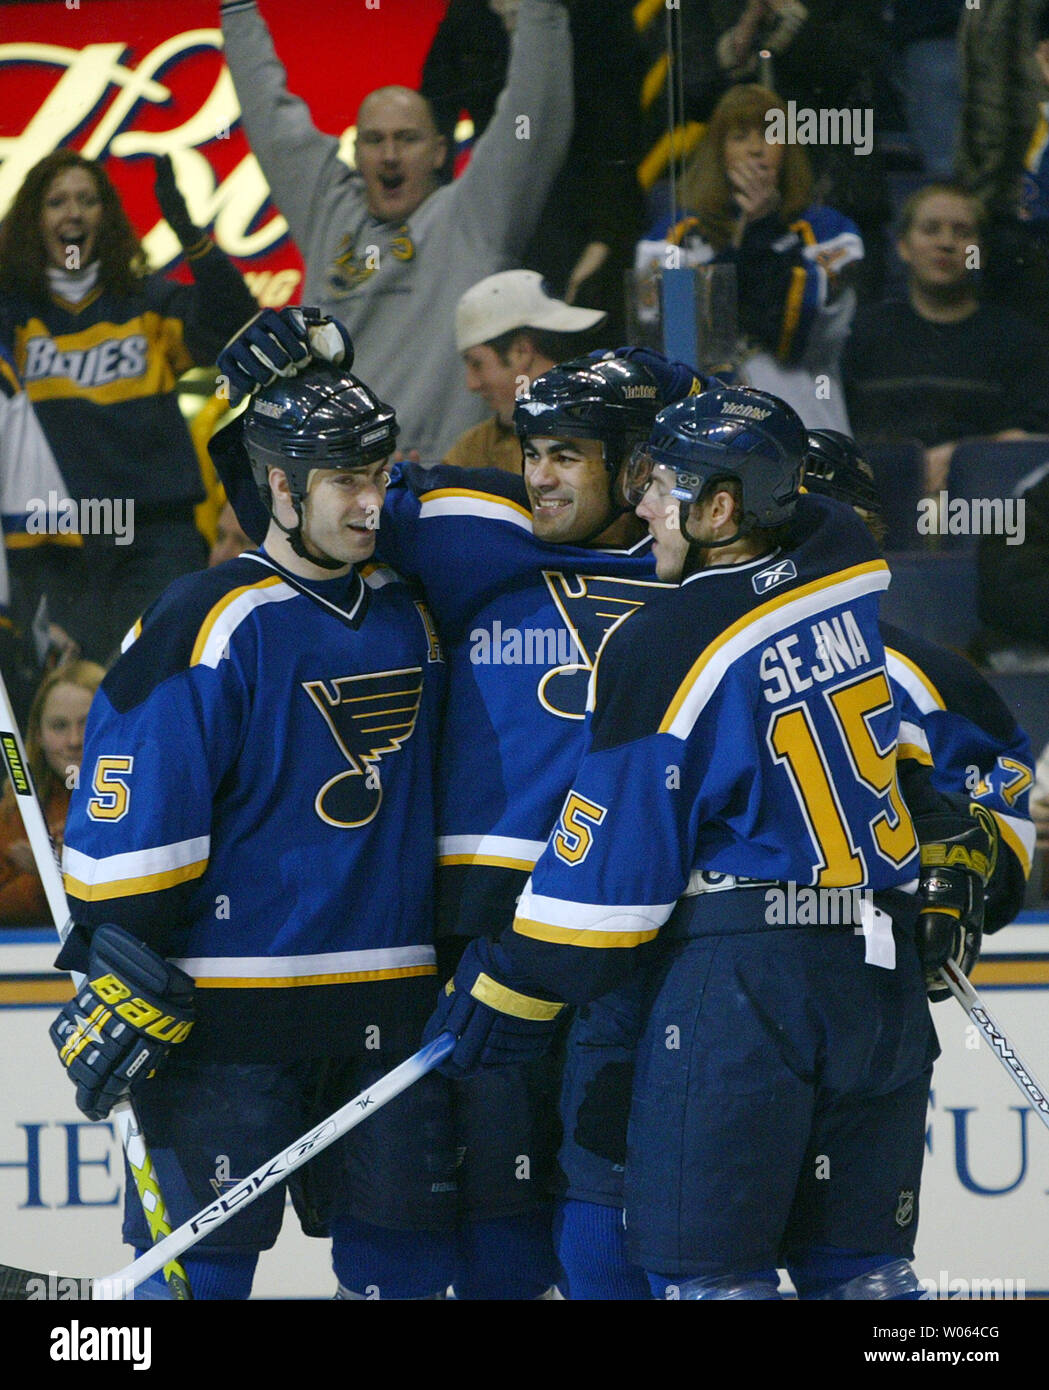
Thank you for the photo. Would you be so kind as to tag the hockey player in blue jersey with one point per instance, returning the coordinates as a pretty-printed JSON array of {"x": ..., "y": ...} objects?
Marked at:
[
  {"x": 526, "y": 577},
  {"x": 250, "y": 854},
  {"x": 951, "y": 720},
  {"x": 741, "y": 744}
]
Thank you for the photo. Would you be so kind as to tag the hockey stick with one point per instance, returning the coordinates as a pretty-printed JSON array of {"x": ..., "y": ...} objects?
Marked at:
[
  {"x": 24, "y": 1285},
  {"x": 973, "y": 1005},
  {"x": 47, "y": 867}
]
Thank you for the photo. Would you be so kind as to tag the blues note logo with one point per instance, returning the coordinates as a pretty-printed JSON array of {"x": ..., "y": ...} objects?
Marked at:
[{"x": 369, "y": 717}]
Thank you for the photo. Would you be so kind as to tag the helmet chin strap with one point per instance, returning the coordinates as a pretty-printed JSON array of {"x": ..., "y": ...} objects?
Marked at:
[{"x": 295, "y": 540}]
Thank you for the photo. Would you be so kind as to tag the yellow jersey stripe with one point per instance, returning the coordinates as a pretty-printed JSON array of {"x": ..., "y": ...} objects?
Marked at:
[
  {"x": 919, "y": 675},
  {"x": 792, "y": 312},
  {"x": 129, "y": 887},
  {"x": 580, "y": 936},
  {"x": 349, "y": 977},
  {"x": 208, "y": 626},
  {"x": 440, "y": 493},
  {"x": 757, "y": 616}
]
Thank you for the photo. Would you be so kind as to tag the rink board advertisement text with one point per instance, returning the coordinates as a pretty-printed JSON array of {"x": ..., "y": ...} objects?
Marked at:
[{"x": 983, "y": 1200}]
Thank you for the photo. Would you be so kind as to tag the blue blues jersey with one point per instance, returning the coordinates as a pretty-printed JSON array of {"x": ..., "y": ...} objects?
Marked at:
[
  {"x": 956, "y": 725},
  {"x": 256, "y": 800},
  {"x": 522, "y": 622},
  {"x": 742, "y": 725}
]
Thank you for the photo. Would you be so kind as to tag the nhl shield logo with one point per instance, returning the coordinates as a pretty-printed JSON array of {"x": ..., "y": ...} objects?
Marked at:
[
  {"x": 778, "y": 573},
  {"x": 905, "y": 1207}
]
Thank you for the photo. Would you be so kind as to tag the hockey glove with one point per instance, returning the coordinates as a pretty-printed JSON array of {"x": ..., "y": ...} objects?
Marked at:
[
  {"x": 280, "y": 343},
  {"x": 132, "y": 1008},
  {"x": 494, "y": 1024},
  {"x": 955, "y": 862},
  {"x": 675, "y": 380},
  {"x": 173, "y": 205}
]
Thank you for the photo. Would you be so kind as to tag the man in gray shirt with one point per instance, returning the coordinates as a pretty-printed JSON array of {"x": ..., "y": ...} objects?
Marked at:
[{"x": 387, "y": 249}]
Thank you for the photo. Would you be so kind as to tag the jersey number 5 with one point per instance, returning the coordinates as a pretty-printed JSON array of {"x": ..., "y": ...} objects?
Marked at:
[
  {"x": 795, "y": 743},
  {"x": 573, "y": 836},
  {"x": 112, "y": 793}
]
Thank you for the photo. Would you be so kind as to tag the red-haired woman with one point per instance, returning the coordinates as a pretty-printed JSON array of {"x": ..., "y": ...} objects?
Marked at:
[
  {"x": 99, "y": 344},
  {"x": 748, "y": 191}
]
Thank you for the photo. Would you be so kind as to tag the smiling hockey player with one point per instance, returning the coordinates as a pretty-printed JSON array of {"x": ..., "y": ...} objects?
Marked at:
[
  {"x": 251, "y": 845},
  {"x": 742, "y": 740}
]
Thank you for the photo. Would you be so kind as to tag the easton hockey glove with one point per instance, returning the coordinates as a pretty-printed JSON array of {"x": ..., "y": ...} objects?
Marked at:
[
  {"x": 280, "y": 343},
  {"x": 132, "y": 1008},
  {"x": 494, "y": 1024},
  {"x": 956, "y": 855}
]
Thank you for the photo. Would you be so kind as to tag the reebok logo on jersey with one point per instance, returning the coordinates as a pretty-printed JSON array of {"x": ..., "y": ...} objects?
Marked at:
[{"x": 778, "y": 573}]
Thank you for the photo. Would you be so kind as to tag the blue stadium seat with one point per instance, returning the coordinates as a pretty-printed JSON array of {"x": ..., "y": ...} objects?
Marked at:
[
  {"x": 1027, "y": 695},
  {"x": 992, "y": 469},
  {"x": 899, "y": 472},
  {"x": 933, "y": 596}
]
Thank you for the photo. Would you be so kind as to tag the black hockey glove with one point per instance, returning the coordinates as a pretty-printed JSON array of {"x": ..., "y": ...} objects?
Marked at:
[
  {"x": 494, "y": 1025},
  {"x": 956, "y": 859},
  {"x": 173, "y": 205},
  {"x": 675, "y": 379},
  {"x": 132, "y": 1008},
  {"x": 280, "y": 343}
]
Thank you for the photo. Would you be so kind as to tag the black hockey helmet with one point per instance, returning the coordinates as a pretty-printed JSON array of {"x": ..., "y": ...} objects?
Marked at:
[
  {"x": 323, "y": 418},
  {"x": 835, "y": 467},
  {"x": 729, "y": 433},
  {"x": 611, "y": 399}
]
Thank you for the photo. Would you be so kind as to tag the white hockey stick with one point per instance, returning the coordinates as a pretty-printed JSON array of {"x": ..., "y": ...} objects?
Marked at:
[
  {"x": 973, "y": 1005},
  {"x": 23, "y": 1284},
  {"x": 47, "y": 867}
]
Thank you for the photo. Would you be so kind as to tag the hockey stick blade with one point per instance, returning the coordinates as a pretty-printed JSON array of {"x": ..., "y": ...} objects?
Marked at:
[
  {"x": 25, "y": 1285},
  {"x": 974, "y": 1006},
  {"x": 47, "y": 866}
]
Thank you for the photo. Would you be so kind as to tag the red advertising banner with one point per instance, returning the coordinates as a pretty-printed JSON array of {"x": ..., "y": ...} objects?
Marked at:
[{"x": 124, "y": 80}]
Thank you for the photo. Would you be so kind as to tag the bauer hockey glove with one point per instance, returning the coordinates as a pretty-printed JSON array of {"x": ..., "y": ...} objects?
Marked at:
[
  {"x": 956, "y": 857},
  {"x": 494, "y": 1024},
  {"x": 280, "y": 343},
  {"x": 132, "y": 1008}
]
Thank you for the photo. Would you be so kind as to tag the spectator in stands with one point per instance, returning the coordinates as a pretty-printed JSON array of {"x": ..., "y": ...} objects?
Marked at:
[
  {"x": 1014, "y": 586},
  {"x": 509, "y": 331},
  {"x": 750, "y": 206},
  {"x": 99, "y": 344},
  {"x": 387, "y": 250},
  {"x": 940, "y": 366},
  {"x": 925, "y": 33},
  {"x": 594, "y": 213},
  {"x": 1001, "y": 91},
  {"x": 54, "y": 747},
  {"x": 820, "y": 54},
  {"x": 230, "y": 540}
]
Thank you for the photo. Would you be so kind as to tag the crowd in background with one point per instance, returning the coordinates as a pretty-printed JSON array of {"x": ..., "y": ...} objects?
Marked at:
[{"x": 894, "y": 284}]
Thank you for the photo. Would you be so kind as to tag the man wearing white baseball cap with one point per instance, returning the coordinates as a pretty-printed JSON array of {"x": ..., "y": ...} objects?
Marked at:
[{"x": 509, "y": 331}]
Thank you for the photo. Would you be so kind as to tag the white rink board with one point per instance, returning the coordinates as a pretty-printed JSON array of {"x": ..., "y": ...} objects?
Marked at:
[{"x": 60, "y": 1210}]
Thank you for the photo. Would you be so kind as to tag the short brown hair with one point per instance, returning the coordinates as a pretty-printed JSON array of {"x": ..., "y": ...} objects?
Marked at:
[
  {"x": 23, "y": 258},
  {"x": 911, "y": 208}
]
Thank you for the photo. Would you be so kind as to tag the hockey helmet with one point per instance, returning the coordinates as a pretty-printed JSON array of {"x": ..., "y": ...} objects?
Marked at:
[
  {"x": 611, "y": 399},
  {"x": 729, "y": 433},
  {"x": 835, "y": 467},
  {"x": 323, "y": 418}
]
